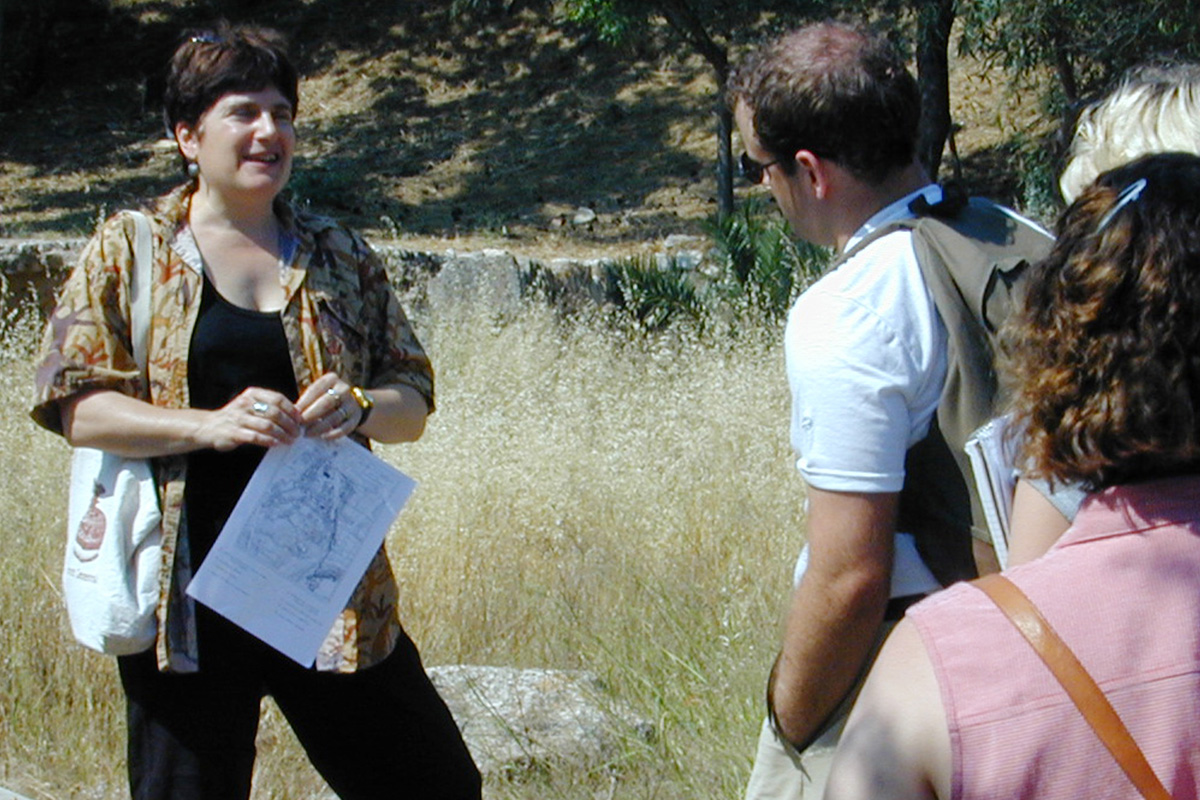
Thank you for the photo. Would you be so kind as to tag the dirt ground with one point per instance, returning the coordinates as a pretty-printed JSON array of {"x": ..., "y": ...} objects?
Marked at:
[{"x": 514, "y": 133}]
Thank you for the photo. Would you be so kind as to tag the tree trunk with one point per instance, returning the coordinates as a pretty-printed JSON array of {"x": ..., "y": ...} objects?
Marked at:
[
  {"x": 934, "y": 20},
  {"x": 724, "y": 158},
  {"x": 1063, "y": 65},
  {"x": 683, "y": 18},
  {"x": 1065, "y": 69}
]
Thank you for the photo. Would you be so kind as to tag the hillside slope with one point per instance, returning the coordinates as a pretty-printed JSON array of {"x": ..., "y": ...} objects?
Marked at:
[{"x": 491, "y": 132}]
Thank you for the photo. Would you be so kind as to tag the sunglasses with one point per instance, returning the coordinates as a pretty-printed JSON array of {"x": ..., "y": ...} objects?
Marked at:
[{"x": 752, "y": 170}]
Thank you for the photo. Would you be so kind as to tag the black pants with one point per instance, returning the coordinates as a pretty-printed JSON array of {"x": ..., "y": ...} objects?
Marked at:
[{"x": 382, "y": 732}]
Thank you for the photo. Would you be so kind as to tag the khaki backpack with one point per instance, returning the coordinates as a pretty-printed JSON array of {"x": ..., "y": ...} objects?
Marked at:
[{"x": 973, "y": 255}]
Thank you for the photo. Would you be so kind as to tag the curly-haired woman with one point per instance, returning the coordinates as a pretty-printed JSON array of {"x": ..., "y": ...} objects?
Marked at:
[
  {"x": 1154, "y": 108},
  {"x": 1106, "y": 359}
]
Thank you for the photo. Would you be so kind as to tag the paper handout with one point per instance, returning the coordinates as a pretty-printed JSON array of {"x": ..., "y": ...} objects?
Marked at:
[
  {"x": 991, "y": 451},
  {"x": 302, "y": 535}
]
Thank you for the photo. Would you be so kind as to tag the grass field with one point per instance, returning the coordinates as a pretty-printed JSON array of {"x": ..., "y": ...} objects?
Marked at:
[{"x": 587, "y": 499}]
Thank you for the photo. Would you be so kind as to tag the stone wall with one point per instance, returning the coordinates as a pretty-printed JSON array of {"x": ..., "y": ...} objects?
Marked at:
[{"x": 32, "y": 269}]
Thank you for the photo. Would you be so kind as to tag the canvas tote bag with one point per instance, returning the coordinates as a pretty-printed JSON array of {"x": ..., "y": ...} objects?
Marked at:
[{"x": 114, "y": 531}]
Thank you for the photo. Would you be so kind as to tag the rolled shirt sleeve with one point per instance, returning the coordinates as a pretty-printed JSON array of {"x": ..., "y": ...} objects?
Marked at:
[
  {"x": 866, "y": 361},
  {"x": 87, "y": 345},
  {"x": 396, "y": 355}
]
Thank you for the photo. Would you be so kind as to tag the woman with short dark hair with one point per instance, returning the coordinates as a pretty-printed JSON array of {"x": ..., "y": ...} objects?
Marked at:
[{"x": 267, "y": 324}]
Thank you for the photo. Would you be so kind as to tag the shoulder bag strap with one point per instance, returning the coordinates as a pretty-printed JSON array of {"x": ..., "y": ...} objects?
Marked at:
[
  {"x": 1079, "y": 685},
  {"x": 139, "y": 289}
]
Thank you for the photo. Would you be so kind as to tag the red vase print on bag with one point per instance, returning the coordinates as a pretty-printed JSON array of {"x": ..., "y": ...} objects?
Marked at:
[{"x": 91, "y": 528}]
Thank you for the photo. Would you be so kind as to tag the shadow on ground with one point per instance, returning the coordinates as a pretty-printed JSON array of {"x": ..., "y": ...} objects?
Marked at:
[{"x": 415, "y": 123}]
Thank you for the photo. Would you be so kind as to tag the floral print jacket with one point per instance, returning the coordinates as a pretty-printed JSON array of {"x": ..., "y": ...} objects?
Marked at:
[{"x": 341, "y": 315}]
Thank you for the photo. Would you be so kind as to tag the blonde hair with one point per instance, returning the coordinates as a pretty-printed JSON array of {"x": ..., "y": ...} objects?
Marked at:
[{"x": 1154, "y": 109}]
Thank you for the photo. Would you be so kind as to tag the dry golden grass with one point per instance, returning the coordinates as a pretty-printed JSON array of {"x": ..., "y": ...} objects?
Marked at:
[
  {"x": 56, "y": 700},
  {"x": 585, "y": 501}
]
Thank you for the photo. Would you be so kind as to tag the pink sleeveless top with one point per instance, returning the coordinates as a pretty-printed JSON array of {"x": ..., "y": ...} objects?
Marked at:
[{"x": 1122, "y": 588}]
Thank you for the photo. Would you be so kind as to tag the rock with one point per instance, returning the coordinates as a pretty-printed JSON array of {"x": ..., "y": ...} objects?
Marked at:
[
  {"x": 583, "y": 216},
  {"x": 31, "y": 269},
  {"x": 688, "y": 260},
  {"x": 516, "y": 719},
  {"x": 492, "y": 277},
  {"x": 677, "y": 241}
]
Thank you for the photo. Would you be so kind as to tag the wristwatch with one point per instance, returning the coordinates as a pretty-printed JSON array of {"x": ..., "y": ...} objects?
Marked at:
[{"x": 366, "y": 403}]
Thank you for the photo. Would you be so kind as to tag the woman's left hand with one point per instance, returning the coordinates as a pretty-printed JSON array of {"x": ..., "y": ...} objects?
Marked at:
[{"x": 327, "y": 409}]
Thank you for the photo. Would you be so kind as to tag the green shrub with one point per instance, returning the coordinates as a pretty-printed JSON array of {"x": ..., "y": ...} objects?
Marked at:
[
  {"x": 655, "y": 296},
  {"x": 758, "y": 272},
  {"x": 1039, "y": 168},
  {"x": 762, "y": 268},
  {"x": 329, "y": 184}
]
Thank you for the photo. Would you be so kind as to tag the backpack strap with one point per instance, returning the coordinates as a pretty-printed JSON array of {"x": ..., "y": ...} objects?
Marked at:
[
  {"x": 972, "y": 255},
  {"x": 974, "y": 266},
  {"x": 1075, "y": 680},
  {"x": 878, "y": 233},
  {"x": 139, "y": 289},
  {"x": 954, "y": 200}
]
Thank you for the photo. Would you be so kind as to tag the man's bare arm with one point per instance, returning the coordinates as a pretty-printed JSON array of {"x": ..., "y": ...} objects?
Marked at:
[{"x": 836, "y": 611}]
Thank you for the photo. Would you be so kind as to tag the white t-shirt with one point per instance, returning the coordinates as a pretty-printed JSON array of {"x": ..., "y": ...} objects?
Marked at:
[{"x": 866, "y": 362}]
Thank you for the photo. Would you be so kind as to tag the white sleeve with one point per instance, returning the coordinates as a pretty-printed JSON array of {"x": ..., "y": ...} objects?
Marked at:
[{"x": 854, "y": 381}]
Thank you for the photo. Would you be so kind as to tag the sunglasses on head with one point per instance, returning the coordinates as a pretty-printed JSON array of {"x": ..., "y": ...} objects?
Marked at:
[
  {"x": 752, "y": 170},
  {"x": 1128, "y": 195}
]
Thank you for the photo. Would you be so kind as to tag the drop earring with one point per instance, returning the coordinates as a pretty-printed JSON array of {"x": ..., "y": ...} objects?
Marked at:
[{"x": 193, "y": 169}]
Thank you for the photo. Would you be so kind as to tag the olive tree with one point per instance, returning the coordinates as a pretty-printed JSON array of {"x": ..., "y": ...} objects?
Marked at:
[
  {"x": 705, "y": 26},
  {"x": 713, "y": 27},
  {"x": 1086, "y": 43}
]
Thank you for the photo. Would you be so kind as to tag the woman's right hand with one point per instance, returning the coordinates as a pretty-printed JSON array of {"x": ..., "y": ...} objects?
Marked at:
[{"x": 256, "y": 416}]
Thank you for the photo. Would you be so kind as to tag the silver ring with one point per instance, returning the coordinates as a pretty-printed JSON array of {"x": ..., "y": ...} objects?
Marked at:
[
  {"x": 345, "y": 413},
  {"x": 260, "y": 408},
  {"x": 334, "y": 393}
]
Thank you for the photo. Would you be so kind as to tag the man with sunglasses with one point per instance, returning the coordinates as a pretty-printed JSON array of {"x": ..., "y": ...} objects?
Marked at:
[{"x": 828, "y": 117}]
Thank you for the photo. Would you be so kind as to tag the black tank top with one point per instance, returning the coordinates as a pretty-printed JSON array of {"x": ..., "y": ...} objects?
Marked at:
[{"x": 232, "y": 348}]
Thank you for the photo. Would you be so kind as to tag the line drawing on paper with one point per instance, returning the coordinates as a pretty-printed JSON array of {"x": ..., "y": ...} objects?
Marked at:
[{"x": 310, "y": 523}]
